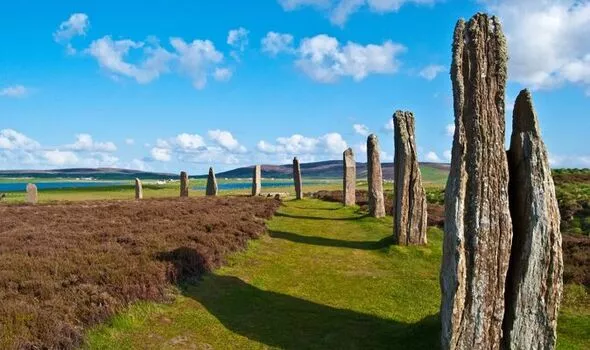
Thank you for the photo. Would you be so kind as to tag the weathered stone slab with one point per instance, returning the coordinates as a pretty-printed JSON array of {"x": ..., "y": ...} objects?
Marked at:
[
  {"x": 478, "y": 226},
  {"x": 349, "y": 180},
  {"x": 256, "y": 180},
  {"x": 211, "y": 184},
  {"x": 297, "y": 179},
  {"x": 411, "y": 217},
  {"x": 375, "y": 178},
  {"x": 535, "y": 276},
  {"x": 184, "y": 184},
  {"x": 138, "y": 189},
  {"x": 32, "y": 196}
]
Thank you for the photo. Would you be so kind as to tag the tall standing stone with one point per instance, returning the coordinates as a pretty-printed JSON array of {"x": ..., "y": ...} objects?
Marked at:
[
  {"x": 534, "y": 284},
  {"x": 32, "y": 196},
  {"x": 138, "y": 189},
  {"x": 349, "y": 180},
  {"x": 256, "y": 180},
  {"x": 183, "y": 184},
  {"x": 375, "y": 178},
  {"x": 478, "y": 227},
  {"x": 297, "y": 179},
  {"x": 211, "y": 184},
  {"x": 410, "y": 197}
]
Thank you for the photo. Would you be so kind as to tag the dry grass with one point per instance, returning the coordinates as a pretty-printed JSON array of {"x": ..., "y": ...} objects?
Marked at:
[{"x": 66, "y": 267}]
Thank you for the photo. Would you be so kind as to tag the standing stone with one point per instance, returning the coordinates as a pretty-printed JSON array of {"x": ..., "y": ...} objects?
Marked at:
[
  {"x": 183, "y": 184},
  {"x": 32, "y": 195},
  {"x": 535, "y": 281},
  {"x": 256, "y": 180},
  {"x": 478, "y": 227},
  {"x": 211, "y": 184},
  {"x": 297, "y": 179},
  {"x": 349, "y": 195},
  {"x": 138, "y": 189},
  {"x": 375, "y": 178},
  {"x": 410, "y": 197}
]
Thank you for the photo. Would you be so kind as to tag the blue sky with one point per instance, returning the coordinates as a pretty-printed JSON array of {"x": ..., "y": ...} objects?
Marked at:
[{"x": 186, "y": 84}]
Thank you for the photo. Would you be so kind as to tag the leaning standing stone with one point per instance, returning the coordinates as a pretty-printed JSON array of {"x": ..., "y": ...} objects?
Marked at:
[
  {"x": 183, "y": 184},
  {"x": 297, "y": 179},
  {"x": 535, "y": 284},
  {"x": 410, "y": 198},
  {"x": 256, "y": 180},
  {"x": 32, "y": 195},
  {"x": 478, "y": 227},
  {"x": 138, "y": 189},
  {"x": 211, "y": 184},
  {"x": 349, "y": 180},
  {"x": 375, "y": 178}
]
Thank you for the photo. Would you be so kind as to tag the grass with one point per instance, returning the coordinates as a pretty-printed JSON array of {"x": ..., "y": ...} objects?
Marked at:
[{"x": 324, "y": 277}]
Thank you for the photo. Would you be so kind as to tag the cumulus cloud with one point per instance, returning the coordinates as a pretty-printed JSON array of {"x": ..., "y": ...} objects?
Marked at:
[
  {"x": 238, "y": 38},
  {"x": 324, "y": 59},
  {"x": 226, "y": 140},
  {"x": 222, "y": 74},
  {"x": 14, "y": 91},
  {"x": 327, "y": 145},
  {"x": 560, "y": 55},
  {"x": 274, "y": 43},
  {"x": 450, "y": 130},
  {"x": 85, "y": 143},
  {"x": 60, "y": 158},
  {"x": 197, "y": 59},
  {"x": 340, "y": 10},
  {"x": 389, "y": 125},
  {"x": 447, "y": 155},
  {"x": 161, "y": 154},
  {"x": 76, "y": 25},
  {"x": 430, "y": 72},
  {"x": 11, "y": 140},
  {"x": 432, "y": 157},
  {"x": 361, "y": 129}
]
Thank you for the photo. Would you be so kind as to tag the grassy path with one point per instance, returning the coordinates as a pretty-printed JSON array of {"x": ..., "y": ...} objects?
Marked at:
[{"x": 324, "y": 278}]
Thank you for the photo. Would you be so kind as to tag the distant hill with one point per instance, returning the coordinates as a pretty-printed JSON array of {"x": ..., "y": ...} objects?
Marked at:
[
  {"x": 95, "y": 173},
  {"x": 333, "y": 169}
]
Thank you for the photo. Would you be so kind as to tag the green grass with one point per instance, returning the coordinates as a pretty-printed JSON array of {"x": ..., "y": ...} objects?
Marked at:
[{"x": 325, "y": 277}]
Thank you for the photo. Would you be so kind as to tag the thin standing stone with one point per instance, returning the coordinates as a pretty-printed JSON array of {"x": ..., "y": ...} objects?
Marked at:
[
  {"x": 32, "y": 194},
  {"x": 375, "y": 178},
  {"x": 478, "y": 226},
  {"x": 297, "y": 179},
  {"x": 211, "y": 184},
  {"x": 183, "y": 184},
  {"x": 535, "y": 277},
  {"x": 349, "y": 180},
  {"x": 411, "y": 217},
  {"x": 138, "y": 189},
  {"x": 256, "y": 180}
]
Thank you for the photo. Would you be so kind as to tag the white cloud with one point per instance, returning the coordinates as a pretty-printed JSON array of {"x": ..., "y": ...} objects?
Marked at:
[
  {"x": 13, "y": 140},
  {"x": 196, "y": 59},
  {"x": 432, "y": 157},
  {"x": 238, "y": 38},
  {"x": 222, "y": 74},
  {"x": 569, "y": 161},
  {"x": 325, "y": 60},
  {"x": 334, "y": 143},
  {"x": 226, "y": 140},
  {"x": 450, "y": 130},
  {"x": 130, "y": 141},
  {"x": 14, "y": 91},
  {"x": 361, "y": 129},
  {"x": 275, "y": 43},
  {"x": 295, "y": 145},
  {"x": 185, "y": 141},
  {"x": 76, "y": 25},
  {"x": 389, "y": 125},
  {"x": 111, "y": 57},
  {"x": 447, "y": 155},
  {"x": 60, "y": 158},
  {"x": 85, "y": 143},
  {"x": 161, "y": 154},
  {"x": 548, "y": 40},
  {"x": 430, "y": 72},
  {"x": 340, "y": 10}
]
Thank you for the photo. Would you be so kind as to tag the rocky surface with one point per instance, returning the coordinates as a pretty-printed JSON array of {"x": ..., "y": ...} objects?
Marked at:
[
  {"x": 32, "y": 196},
  {"x": 478, "y": 226},
  {"x": 256, "y": 180},
  {"x": 184, "y": 184},
  {"x": 297, "y": 179},
  {"x": 375, "y": 178},
  {"x": 211, "y": 189},
  {"x": 349, "y": 178},
  {"x": 535, "y": 277},
  {"x": 410, "y": 198}
]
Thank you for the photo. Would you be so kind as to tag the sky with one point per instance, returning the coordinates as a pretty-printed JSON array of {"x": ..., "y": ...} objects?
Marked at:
[{"x": 174, "y": 85}]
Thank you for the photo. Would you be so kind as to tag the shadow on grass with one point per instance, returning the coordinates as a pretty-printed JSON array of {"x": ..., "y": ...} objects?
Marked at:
[
  {"x": 321, "y": 218},
  {"x": 283, "y": 321},
  {"x": 329, "y": 242}
]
